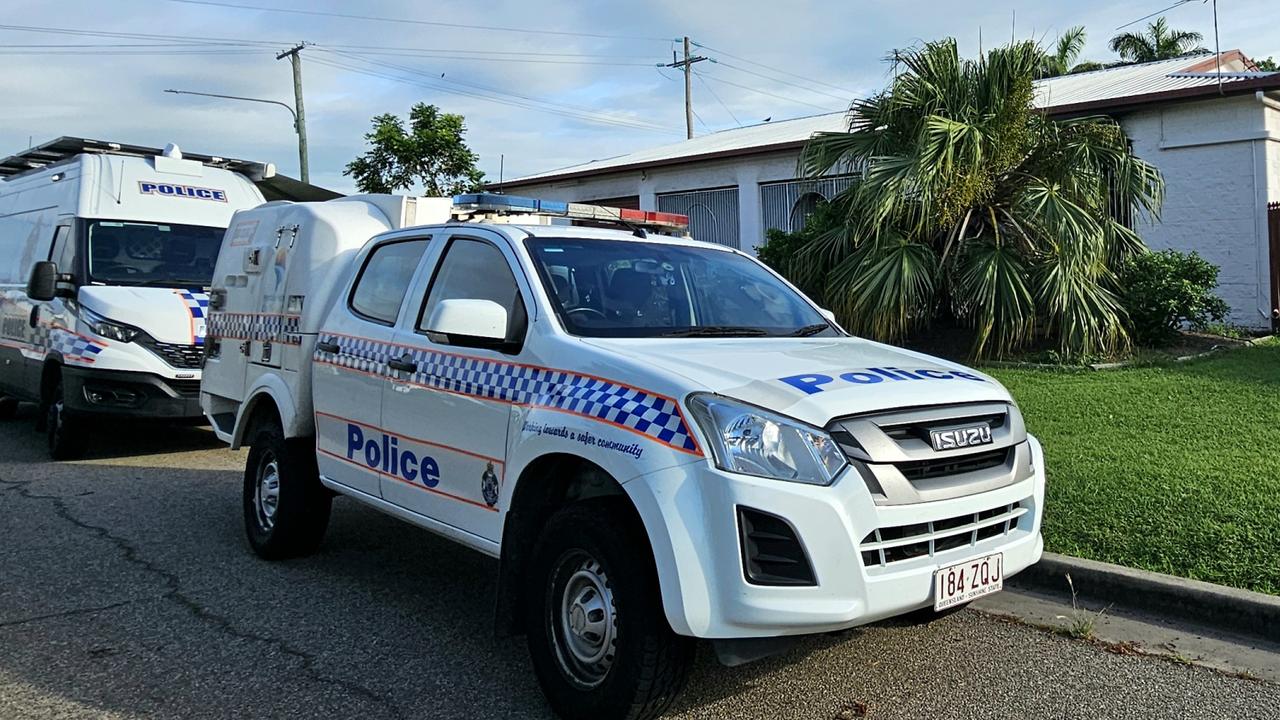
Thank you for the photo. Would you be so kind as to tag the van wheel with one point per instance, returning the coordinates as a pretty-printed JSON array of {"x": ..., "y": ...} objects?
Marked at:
[
  {"x": 8, "y": 407},
  {"x": 600, "y": 644},
  {"x": 64, "y": 428},
  {"x": 286, "y": 509}
]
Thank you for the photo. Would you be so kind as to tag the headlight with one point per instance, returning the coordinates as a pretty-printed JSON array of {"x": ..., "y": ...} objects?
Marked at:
[
  {"x": 745, "y": 439},
  {"x": 106, "y": 328}
]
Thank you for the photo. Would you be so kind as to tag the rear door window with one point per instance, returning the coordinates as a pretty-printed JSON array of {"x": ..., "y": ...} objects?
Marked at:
[{"x": 384, "y": 279}]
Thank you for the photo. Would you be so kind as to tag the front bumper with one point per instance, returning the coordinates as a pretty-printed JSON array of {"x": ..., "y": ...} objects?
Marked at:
[
  {"x": 690, "y": 513},
  {"x": 129, "y": 394}
]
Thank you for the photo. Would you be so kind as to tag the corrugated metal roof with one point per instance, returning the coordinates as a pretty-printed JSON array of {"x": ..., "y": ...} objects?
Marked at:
[{"x": 1098, "y": 86}]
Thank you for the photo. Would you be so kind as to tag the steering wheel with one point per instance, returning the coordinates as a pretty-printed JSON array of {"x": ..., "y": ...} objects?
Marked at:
[{"x": 591, "y": 311}]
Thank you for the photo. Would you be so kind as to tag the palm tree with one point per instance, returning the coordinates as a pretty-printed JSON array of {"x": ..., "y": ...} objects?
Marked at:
[
  {"x": 1157, "y": 43},
  {"x": 1063, "y": 60},
  {"x": 975, "y": 205}
]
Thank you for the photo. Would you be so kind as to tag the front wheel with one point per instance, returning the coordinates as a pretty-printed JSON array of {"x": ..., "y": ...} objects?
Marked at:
[
  {"x": 600, "y": 644},
  {"x": 286, "y": 509},
  {"x": 64, "y": 429}
]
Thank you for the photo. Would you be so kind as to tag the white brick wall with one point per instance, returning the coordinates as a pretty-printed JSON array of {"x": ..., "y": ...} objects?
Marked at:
[{"x": 1214, "y": 156}]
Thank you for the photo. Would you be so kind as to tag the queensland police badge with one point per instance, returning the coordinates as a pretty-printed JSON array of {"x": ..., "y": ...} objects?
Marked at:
[{"x": 489, "y": 485}]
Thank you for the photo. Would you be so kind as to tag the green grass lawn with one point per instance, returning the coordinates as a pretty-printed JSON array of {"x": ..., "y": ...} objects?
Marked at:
[{"x": 1173, "y": 468}]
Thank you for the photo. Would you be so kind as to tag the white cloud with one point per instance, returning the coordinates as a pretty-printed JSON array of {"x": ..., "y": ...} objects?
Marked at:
[{"x": 841, "y": 43}]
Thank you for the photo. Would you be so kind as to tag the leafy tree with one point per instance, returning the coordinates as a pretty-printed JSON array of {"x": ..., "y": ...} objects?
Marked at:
[
  {"x": 1157, "y": 43},
  {"x": 431, "y": 152},
  {"x": 1268, "y": 65},
  {"x": 976, "y": 205},
  {"x": 1066, "y": 52}
]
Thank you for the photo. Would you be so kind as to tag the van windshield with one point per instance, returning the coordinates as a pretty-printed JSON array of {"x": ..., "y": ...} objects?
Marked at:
[
  {"x": 160, "y": 254},
  {"x": 620, "y": 288}
]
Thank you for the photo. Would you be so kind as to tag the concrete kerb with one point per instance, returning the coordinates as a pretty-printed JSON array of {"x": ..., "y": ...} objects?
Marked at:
[{"x": 1230, "y": 609}]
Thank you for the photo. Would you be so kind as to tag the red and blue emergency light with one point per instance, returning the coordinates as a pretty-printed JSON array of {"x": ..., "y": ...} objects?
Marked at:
[{"x": 512, "y": 204}]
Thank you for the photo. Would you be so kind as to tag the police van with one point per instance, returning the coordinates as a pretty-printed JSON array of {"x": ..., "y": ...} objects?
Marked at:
[
  {"x": 106, "y": 251},
  {"x": 660, "y": 439}
]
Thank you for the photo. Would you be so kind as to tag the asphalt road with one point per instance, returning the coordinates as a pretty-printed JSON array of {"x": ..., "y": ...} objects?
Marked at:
[{"x": 127, "y": 591}]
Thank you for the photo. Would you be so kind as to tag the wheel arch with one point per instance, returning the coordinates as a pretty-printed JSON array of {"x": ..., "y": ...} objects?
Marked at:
[
  {"x": 546, "y": 484},
  {"x": 270, "y": 393}
]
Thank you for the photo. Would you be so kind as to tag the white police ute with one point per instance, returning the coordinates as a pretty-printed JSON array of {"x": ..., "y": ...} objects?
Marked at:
[
  {"x": 106, "y": 251},
  {"x": 661, "y": 439}
]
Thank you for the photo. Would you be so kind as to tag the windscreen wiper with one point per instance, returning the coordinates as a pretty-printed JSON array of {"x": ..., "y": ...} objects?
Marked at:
[
  {"x": 717, "y": 331},
  {"x": 808, "y": 330}
]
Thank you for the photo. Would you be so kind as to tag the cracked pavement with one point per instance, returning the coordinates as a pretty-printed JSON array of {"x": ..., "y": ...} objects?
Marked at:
[{"x": 127, "y": 591}]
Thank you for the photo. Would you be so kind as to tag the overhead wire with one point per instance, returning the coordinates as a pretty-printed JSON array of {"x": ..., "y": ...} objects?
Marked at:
[
  {"x": 848, "y": 92},
  {"x": 766, "y": 92},
  {"x": 781, "y": 82},
  {"x": 412, "y": 21},
  {"x": 716, "y": 95},
  {"x": 513, "y": 101}
]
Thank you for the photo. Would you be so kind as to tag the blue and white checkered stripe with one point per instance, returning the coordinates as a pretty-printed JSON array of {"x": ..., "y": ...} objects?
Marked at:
[
  {"x": 198, "y": 305},
  {"x": 647, "y": 413},
  {"x": 67, "y": 344},
  {"x": 284, "y": 329}
]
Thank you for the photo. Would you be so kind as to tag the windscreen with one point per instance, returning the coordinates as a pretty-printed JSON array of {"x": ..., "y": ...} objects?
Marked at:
[
  {"x": 156, "y": 254},
  {"x": 615, "y": 288}
]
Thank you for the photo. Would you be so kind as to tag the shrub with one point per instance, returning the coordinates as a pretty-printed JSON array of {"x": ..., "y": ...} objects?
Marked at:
[
  {"x": 780, "y": 249},
  {"x": 1167, "y": 289}
]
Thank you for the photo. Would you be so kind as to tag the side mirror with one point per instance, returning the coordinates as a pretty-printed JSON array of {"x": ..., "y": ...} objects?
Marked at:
[
  {"x": 42, "y": 286},
  {"x": 469, "y": 322}
]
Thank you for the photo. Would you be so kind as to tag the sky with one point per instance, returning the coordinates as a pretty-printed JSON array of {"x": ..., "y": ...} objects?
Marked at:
[{"x": 542, "y": 85}]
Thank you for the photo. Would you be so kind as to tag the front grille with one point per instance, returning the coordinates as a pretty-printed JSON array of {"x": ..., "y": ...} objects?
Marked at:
[
  {"x": 888, "y": 545},
  {"x": 185, "y": 388},
  {"x": 893, "y": 452},
  {"x": 926, "y": 469},
  {"x": 186, "y": 357},
  {"x": 771, "y": 552}
]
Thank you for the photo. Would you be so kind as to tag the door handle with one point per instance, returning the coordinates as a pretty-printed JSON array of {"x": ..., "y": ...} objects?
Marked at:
[
  {"x": 328, "y": 347},
  {"x": 403, "y": 365},
  {"x": 34, "y": 320}
]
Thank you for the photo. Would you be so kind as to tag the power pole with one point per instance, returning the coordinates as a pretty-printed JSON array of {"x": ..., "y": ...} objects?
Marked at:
[
  {"x": 687, "y": 66},
  {"x": 300, "y": 122}
]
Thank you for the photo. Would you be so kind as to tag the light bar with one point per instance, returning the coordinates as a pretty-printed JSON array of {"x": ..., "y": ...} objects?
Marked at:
[{"x": 512, "y": 204}]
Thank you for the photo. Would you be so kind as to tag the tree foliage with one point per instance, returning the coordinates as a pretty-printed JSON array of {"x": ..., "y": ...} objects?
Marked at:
[
  {"x": 1066, "y": 53},
  {"x": 1158, "y": 42},
  {"x": 431, "y": 153},
  {"x": 974, "y": 204},
  {"x": 1267, "y": 65}
]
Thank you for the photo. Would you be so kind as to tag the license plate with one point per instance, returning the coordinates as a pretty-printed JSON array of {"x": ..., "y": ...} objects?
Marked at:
[{"x": 958, "y": 584}]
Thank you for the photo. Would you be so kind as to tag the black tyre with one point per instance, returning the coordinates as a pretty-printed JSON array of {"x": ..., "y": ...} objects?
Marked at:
[
  {"x": 286, "y": 509},
  {"x": 8, "y": 407},
  {"x": 65, "y": 430},
  {"x": 600, "y": 644}
]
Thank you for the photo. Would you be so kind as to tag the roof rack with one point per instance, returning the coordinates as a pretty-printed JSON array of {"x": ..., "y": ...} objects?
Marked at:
[
  {"x": 471, "y": 205},
  {"x": 65, "y": 148}
]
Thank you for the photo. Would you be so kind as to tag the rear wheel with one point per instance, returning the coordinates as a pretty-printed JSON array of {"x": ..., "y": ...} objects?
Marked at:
[
  {"x": 286, "y": 509},
  {"x": 600, "y": 644},
  {"x": 64, "y": 429}
]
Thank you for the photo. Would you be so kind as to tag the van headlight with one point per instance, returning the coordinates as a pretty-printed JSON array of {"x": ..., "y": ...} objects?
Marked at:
[
  {"x": 746, "y": 439},
  {"x": 108, "y": 328}
]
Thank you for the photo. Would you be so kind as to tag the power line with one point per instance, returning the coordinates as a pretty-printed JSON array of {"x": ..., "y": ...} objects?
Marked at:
[
  {"x": 142, "y": 36},
  {"x": 848, "y": 93},
  {"x": 539, "y": 106},
  {"x": 1180, "y": 3},
  {"x": 843, "y": 98},
  {"x": 717, "y": 97},
  {"x": 409, "y": 21},
  {"x": 766, "y": 92},
  {"x": 439, "y": 77}
]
